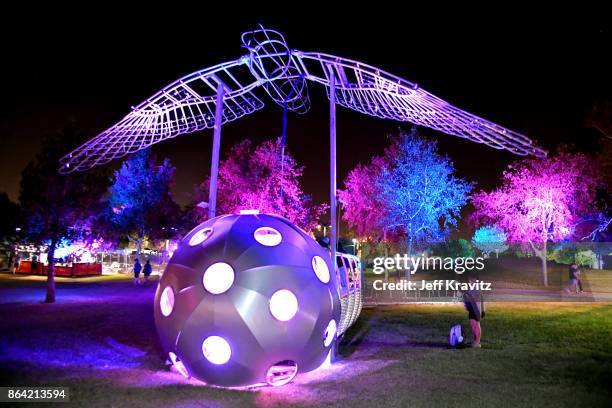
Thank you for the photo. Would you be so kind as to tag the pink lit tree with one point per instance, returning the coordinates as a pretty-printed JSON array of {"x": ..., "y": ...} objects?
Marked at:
[
  {"x": 254, "y": 177},
  {"x": 540, "y": 200},
  {"x": 363, "y": 209}
]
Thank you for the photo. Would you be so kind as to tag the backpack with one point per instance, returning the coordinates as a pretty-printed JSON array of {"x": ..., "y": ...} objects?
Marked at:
[{"x": 455, "y": 337}]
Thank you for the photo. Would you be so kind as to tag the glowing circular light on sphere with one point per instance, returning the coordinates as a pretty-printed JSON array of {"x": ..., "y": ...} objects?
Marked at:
[
  {"x": 216, "y": 350},
  {"x": 267, "y": 236},
  {"x": 200, "y": 236},
  {"x": 330, "y": 333},
  {"x": 283, "y": 305},
  {"x": 320, "y": 269},
  {"x": 166, "y": 301},
  {"x": 218, "y": 278}
]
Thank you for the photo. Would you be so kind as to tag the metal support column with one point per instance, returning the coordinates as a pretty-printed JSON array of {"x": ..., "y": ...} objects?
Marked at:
[
  {"x": 333, "y": 241},
  {"x": 214, "y": 165}
]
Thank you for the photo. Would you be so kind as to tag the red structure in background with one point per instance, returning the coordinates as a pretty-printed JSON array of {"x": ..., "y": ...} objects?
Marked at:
[{"x": 77, "y": 269}]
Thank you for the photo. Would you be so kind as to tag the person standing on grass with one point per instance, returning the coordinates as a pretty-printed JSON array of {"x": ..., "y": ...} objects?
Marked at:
[
  {"x": 473, "y": 303},
  {"x": 16, "y": 264},
  {"x": 575, "y": 284},
  {"x": 578, "y": 276},
  {"x": 137, "y": 269},
  {"x": 34, "y": 265},
  {"x": 147, "y": 270}
]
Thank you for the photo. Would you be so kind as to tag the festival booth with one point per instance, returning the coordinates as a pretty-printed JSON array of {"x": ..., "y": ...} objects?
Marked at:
[
  {"x": 72, "y": 270},
  {"x": 33, "y": 261}
]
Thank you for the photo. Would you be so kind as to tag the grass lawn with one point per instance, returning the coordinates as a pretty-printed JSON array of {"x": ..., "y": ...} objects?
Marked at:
[{"x": 100, "y": 340}]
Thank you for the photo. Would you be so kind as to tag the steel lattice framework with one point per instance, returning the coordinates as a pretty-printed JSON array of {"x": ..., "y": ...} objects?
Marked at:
[{"x": 189, "y": 104}]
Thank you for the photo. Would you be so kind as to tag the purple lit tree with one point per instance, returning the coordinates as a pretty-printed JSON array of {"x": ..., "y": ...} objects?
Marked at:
[
  {"x": 254, "y": 177},
  {"x": 55, "y": 205},
  {"x": 363, "y": 209},
  {"x": 540, "y": 200},
  {"x": 140, "y": 200}
]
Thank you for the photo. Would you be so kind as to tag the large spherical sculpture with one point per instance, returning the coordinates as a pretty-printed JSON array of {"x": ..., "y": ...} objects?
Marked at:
[{"x": 247, "y": 299}]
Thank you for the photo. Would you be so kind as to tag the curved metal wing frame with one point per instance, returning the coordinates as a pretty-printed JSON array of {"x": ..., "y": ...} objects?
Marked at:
[
  {"x": 369, "y": 90},
  {"x": 188, "y": 105},
  {"x": 185, "y": 106}
]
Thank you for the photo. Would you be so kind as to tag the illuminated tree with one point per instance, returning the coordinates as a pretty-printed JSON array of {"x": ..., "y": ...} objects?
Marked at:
[
  {"x": 255, "y": 177},
  {"x": 140, "y": 200},
  {"x": 421, "y": 195},
  {"x": 490, "y": 238},
  {"x": 409, "y": 192},
  {"x": 55, "y": 205},
  {"x": 540, "y": 200},
  {"x": 363, "y": 208}
]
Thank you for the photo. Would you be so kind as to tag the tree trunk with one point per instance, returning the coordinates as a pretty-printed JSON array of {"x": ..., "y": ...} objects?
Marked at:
[
  {"x": 542, "y": 255},
  {"x": 10, "y": 261},
  {"x": 598, "y": 249},
  {"x": 409, "y": 249},
  {"x": 386, "y": 253},
  {"x": 139, "y": 245},
  {"x": 50, "y": 297},
  {"x": 544, "y": 266}
]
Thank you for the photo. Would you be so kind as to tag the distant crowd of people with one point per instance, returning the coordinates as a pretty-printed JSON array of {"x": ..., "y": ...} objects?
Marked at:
[{"x": 146, "y": 271}]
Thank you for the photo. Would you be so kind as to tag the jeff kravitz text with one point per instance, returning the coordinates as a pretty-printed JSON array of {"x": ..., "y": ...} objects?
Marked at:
[{"x": 439, "y": 284}]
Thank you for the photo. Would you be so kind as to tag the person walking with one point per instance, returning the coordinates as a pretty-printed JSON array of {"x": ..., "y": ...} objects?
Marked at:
[
  {"x": 147, "y": 270},
  {"x": 577, "y": 279},
  {"x": 16, "y": 264},
  {"x": 574, "y": 276},
  {"x": 34, "y": 265},
  {"x": 578, "y": 276},
  {"x": 137, "y": 269}
]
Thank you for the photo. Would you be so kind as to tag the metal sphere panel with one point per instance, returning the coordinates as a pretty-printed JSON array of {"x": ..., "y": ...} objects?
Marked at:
[{"x": 259, "y": 314}]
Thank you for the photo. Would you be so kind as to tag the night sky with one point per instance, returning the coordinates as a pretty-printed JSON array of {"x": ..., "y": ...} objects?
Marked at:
[{"x": 536, "y": 74}]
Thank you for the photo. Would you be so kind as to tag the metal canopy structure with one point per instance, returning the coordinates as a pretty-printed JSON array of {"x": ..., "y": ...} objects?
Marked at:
[
  {"x": 190, "y": 104},
  {"x": 226, "y": 92}
]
